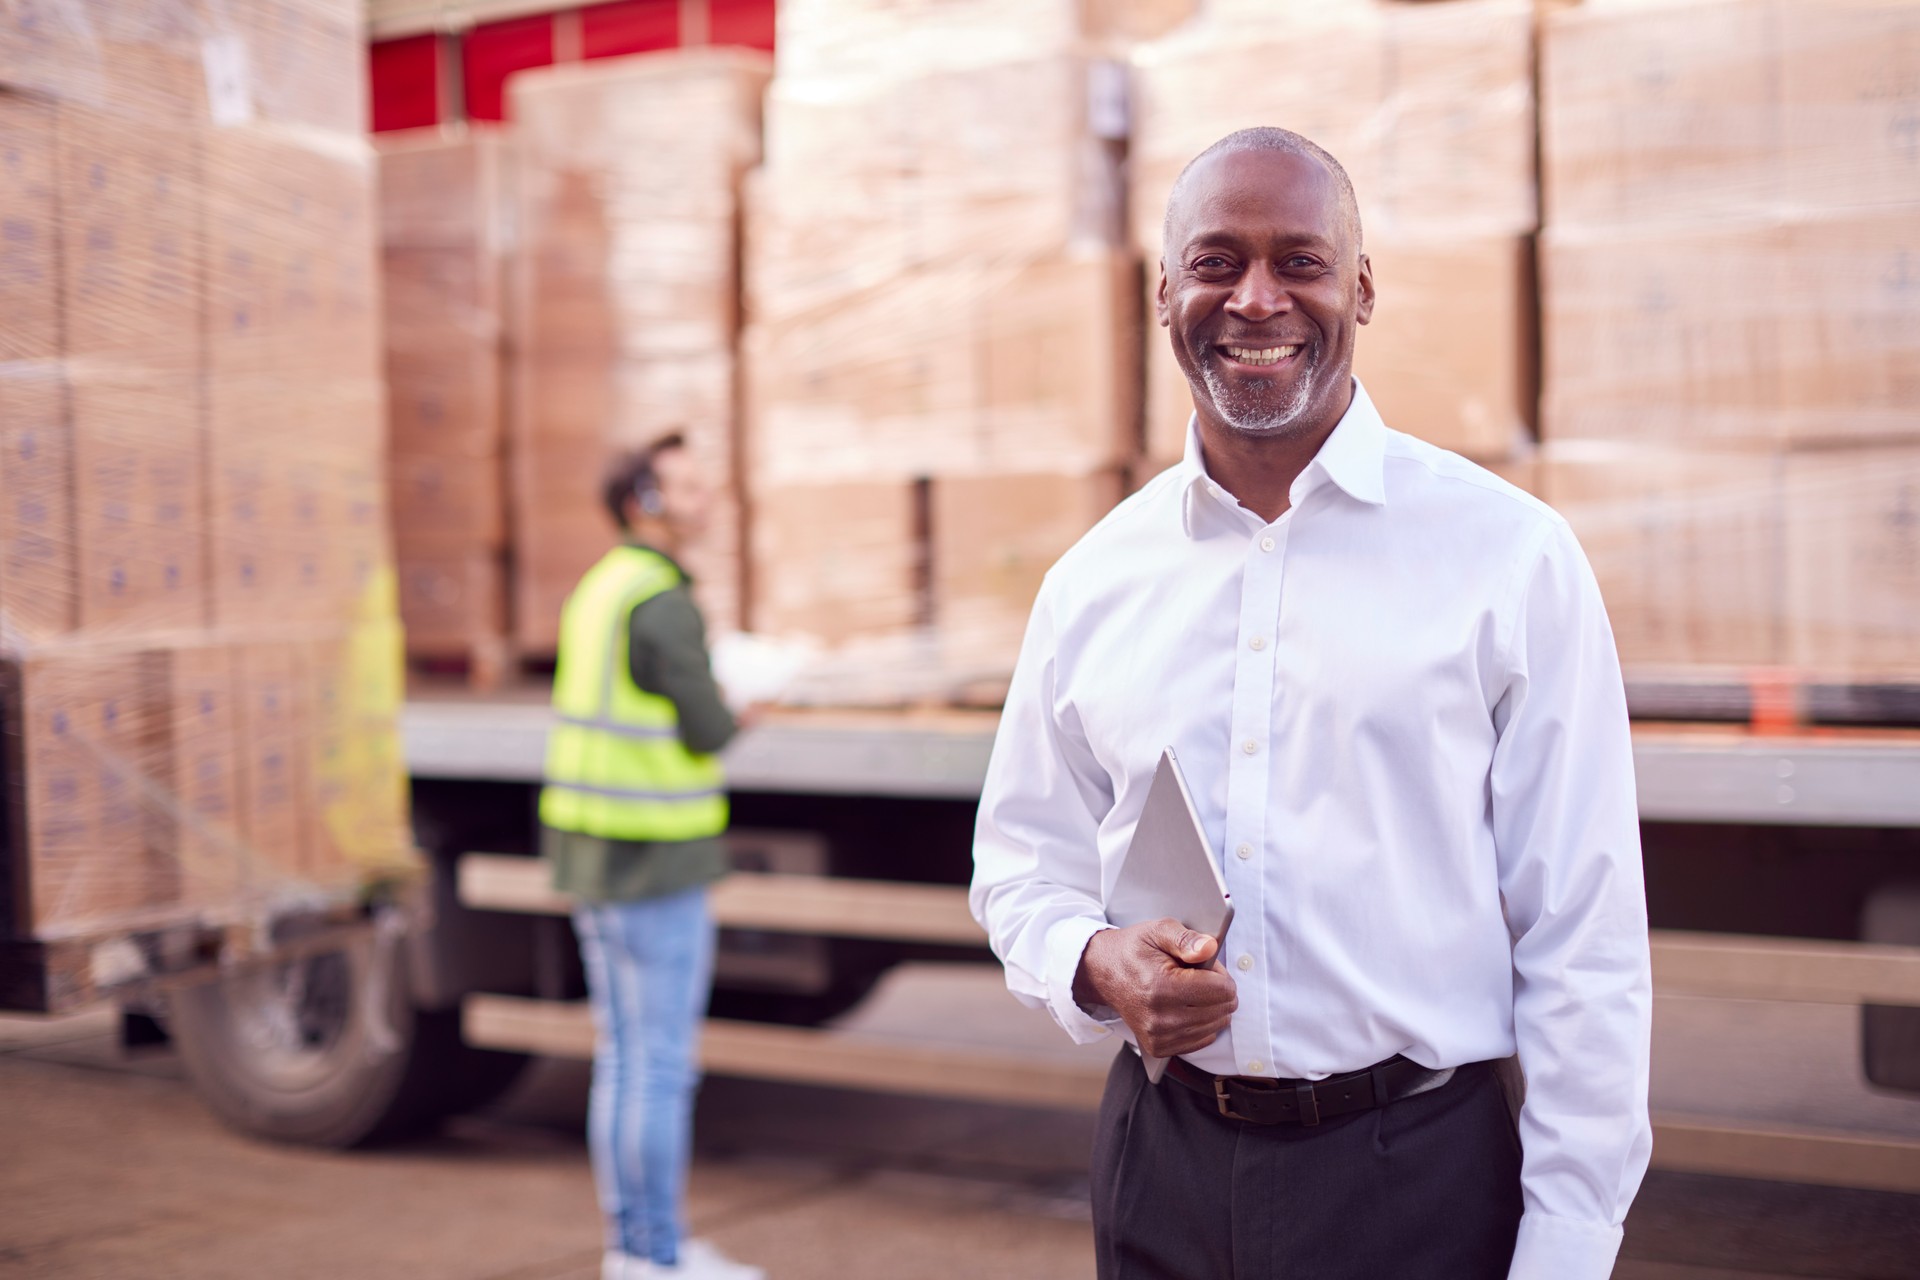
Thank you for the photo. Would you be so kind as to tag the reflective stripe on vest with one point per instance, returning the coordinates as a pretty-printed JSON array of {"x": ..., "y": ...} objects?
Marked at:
[{"x": 616, "y": 767}]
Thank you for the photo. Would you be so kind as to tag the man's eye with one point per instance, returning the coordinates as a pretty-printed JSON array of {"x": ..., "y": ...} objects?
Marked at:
[
  {"x": 1301, "y": 262},
  {"x": 1212, "y": 262}
]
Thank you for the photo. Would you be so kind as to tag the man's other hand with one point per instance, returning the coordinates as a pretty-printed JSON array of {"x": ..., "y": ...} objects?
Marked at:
[{"x": 1164, "y": 980}]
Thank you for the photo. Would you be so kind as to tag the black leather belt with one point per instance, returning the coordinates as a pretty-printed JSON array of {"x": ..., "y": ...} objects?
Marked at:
[{"x": 1304, "y": 1102}]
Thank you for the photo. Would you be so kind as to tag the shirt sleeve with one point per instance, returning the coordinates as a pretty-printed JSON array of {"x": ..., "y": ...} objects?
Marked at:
[
  {"x": 1036, "y": 858},
  {"x": 1567, "y": 835},
  {"x": 667, "y": 655}
]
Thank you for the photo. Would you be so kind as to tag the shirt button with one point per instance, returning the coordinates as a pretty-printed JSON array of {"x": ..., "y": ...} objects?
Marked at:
[
  {"x": 1255, "y": 1067},
  {"x": 1266, "y": 544},
  {"x": 1245, "y": 963},
  {"x": 1249, "y": 746},
  {"x": 1245, "y": 851}
]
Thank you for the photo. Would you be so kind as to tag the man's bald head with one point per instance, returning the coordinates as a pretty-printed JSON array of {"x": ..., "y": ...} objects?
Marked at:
[{"x": 1268, "y": 138}]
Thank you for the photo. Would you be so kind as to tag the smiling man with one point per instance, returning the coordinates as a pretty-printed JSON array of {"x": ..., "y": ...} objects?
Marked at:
[{"x": 1391, "y": 683}]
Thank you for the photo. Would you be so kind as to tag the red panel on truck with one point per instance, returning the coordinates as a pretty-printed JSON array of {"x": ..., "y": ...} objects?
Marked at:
[
  {"x": 742, "y": 22},
  {"x": 495, "y": 51},
  {"x": 405, "y": 79},
  {"x": 631, "y": 26}
]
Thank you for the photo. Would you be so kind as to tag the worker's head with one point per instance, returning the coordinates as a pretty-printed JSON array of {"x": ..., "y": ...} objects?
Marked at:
[
  {"x": 1263, "y": 283},
  {"x": 659, "y": 493}
]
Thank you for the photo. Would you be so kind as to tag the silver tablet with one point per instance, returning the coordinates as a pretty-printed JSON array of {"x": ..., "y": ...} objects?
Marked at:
[{"x": 1170, "y": 870}]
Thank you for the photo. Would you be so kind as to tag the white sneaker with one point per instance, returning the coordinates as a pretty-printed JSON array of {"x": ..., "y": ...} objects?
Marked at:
[
  {"x": 699, "y": 1260},
  {"x": 623, "y": 1266},
  {"x": 702, "y": 1260}
]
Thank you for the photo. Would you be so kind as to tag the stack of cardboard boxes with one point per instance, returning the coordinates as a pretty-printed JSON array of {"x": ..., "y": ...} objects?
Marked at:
[
  {"x": 624, "y": 304},
  {"x": 1430, "y": 110},
  {"x": 943, "y": 321},
  {"x": 445, "y": 213},
  {"x": 195, "y": 597},
  {"x": 1731, "y": 295}
]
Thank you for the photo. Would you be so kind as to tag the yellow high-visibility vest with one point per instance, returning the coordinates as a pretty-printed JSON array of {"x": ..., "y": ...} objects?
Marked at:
[{"x": 616, "y": 767}]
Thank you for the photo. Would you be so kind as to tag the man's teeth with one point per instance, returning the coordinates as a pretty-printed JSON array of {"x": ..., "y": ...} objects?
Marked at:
[{"x": 1261, "y": 355}]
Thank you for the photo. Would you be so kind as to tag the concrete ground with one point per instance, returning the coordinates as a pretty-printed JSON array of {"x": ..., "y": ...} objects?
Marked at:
[{"x": 112, "y": 1170}]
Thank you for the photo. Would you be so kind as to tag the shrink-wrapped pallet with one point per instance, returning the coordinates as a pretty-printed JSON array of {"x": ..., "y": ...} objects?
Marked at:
[
  {"x": 944, "y": 328},
  {"x": 195, "y": 574},
  {"x": 1733, "y": 214},
  {"x": 446, "y": 235},
  {"x": 624, "y": 306}
]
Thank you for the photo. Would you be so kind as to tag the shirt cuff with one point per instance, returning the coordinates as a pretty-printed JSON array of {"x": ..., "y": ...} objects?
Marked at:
[
  {"x": 1551, "y": 1248},
  {"x": 1065, "y": 943}
]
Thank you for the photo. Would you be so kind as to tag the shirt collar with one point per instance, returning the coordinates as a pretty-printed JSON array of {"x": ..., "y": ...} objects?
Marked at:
[
  {"x": 1353, "y": 458},
  {"x": 640, "y": 545}
]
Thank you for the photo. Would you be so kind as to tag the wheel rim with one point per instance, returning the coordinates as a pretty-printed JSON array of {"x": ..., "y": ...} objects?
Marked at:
[{"x": 292, "y": 1020}]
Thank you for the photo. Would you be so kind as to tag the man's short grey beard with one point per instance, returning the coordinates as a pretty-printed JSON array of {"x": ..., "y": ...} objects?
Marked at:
[{"x": 1255, "y": 417}]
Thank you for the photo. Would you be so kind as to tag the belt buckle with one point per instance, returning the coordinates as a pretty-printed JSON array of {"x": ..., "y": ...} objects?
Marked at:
[
  {"x": 1220, "y": 1097},
  {"x": 1309, "y": 1105}
]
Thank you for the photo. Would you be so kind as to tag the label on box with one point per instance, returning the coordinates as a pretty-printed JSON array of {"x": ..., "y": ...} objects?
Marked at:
[{"x": 229, "y": 86}]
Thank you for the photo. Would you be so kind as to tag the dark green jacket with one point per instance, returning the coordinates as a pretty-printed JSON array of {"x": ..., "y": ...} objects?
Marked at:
[{"x": 667, "y": 655}]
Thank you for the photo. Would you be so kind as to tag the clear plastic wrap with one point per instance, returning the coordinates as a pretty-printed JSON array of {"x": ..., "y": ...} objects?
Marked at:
[
  {"x": 197, "y": 629},
  {"x": 1430, "y": 109},
  {"x": 624, "y": 307},
  {"x": 1731, "y": 327}
]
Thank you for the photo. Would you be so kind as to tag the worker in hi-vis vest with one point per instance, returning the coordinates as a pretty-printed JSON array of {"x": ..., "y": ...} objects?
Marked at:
[{"x": 632, "y": 819}]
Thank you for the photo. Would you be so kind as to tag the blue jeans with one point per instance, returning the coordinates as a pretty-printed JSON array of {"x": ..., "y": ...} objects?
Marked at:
[{"x": 649, "y": 970}]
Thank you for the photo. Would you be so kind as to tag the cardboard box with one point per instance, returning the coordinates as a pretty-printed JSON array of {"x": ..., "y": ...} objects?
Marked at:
[
  {"x": 1686, "y": 546},
  {"x": 1848, "y": 326},
  {"x": 291, "y": 62},
  {"x": 447, "y": 504},
  {"x": 138, "y": 501},
  {"x": 1853, "y": 563},
  {"x": 1849, "y": 80},
  {"x": 993, "y": 540},
  {"x": 38, "y": 577},
  {"x": 1658, "y": 112},
  {"x": 839, "y": 561},
  {"x": 1802, "y": 331},
  {"x": 445, "y": 403},
  {"x": 202, "y": 758},
  {"x": 293, "y": 287},
  {"x": 29, "y": 251},
  {"x": 451, "y": 603},
  {"x": 130, "y": 239},
  {"x": 1028, "y": 366},
  {"x": 275, "y": 774},
  {"x": 1449, "y": 354},
  {"x": 446, "y": 188},
  {"x": 88, "y": 737}
]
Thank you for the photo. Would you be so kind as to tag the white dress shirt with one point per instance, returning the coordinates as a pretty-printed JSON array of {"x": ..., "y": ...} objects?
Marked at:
[{"x": 1400, "y": 712}]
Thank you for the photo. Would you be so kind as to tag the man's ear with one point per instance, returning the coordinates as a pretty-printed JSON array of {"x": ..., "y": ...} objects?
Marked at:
[
  {"x": 1364, "y": 312},
  {"x": 1160, "y": 298}
]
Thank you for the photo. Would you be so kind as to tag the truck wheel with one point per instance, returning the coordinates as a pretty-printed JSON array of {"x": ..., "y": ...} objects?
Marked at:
[
  {"x": 1890, "y": 1034},
  {"x": 323, "y": 1050}
]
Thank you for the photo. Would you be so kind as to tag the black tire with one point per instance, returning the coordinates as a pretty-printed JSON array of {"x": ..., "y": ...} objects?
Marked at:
[{"x": 328, "y": 1050}]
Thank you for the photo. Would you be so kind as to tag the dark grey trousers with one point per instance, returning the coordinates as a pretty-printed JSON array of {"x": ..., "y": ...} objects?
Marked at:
[{"x": 1427, "y": 1188}]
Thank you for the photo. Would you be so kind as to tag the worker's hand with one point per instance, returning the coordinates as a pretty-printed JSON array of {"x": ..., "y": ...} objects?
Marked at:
[{"x": 1164, "y": 980}]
